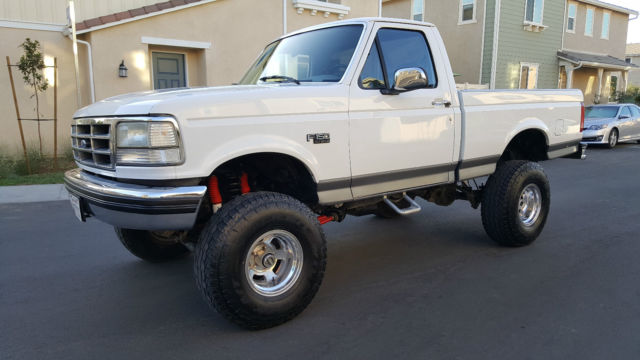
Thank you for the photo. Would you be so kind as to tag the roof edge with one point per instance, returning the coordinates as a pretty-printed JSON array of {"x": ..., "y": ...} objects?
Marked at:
[{"x": 138, "y": 17}]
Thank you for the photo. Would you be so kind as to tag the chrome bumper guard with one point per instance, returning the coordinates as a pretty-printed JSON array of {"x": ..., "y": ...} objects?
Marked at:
[{"x": 135, "y": 206}]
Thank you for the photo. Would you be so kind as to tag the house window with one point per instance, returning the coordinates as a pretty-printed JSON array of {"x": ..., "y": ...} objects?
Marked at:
[
  {"x": 533, "y": 11},
  {"x": 571, "y": 18},
  {"x": 467, "y": 11},
  {"x": 628, "y": 60},
  {"x": 606, "y": 20},
  {"x": 528, "y": 76},
  {"x": 417, "y": 10},
  {"x": 588, "y": 26}
]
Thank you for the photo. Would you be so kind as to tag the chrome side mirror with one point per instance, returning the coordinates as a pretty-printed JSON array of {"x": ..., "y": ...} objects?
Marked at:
[{"x": 410, "y": 79}]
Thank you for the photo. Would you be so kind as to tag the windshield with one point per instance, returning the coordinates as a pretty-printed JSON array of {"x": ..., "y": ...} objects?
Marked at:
[
  {"x": 315, "y": 56},
  {"x": 595, "y": 112}
]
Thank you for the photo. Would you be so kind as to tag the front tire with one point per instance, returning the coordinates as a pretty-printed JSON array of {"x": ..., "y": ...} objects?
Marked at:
[
  {"x": 613, "y": 139},
  {"x": 153, "y": 246},
  {"x": 515, "y": 203},
  {"x": 261, "y": 259}
]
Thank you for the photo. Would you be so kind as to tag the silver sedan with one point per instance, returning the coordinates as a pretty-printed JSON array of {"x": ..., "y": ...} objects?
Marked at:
[{"x": 610, "y": 124}]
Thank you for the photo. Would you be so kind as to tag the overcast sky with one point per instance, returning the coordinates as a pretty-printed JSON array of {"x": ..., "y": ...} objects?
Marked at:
[{"x": 634, "y": 25}]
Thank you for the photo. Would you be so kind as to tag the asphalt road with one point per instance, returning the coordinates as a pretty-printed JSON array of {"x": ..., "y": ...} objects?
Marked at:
[{"x": 429, "y": 286}]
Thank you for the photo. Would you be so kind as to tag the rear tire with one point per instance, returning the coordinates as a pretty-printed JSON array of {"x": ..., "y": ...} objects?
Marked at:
[
  {"x": 515, "y": 203},
  {"x": 613, "y": 139},
  {"x": 153, "y": 246},
  {"x": 260, "y": 260}
]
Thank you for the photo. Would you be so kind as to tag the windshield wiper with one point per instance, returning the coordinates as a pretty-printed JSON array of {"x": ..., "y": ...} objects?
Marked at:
[{"x": 282, "y": 78}]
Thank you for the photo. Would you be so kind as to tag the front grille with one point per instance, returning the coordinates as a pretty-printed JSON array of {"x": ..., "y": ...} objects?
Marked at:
[{"x": 92, "y": 142}]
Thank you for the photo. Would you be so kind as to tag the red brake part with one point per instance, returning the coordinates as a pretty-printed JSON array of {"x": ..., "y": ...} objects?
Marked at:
[
  {"x": 325, "y": 219},
  {"x": 244, "y": 183},
  {"x": 214, "y": 191}
]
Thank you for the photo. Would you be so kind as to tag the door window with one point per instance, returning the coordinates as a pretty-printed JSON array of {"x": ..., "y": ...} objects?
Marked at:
[
  {"x": 396, "y": 49},
  {"x": 372, "y": 76},
  {"x": 635, "y": 112},
  {"x": 625, "y": 112}
]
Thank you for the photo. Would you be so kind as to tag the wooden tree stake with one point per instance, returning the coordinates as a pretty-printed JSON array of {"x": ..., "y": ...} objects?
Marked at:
[
  {"x": 55, "y": 113},
  {"x": 15, "y": 102}
]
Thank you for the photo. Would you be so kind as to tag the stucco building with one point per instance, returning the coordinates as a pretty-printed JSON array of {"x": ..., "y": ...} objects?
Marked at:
[
  {"x": 632, "y": 56},
  {"x": 593, "y": 53},
  {"x": 162, "y": 44}
]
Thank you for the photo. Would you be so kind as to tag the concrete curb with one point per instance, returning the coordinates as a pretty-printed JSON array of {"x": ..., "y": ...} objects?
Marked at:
[{"x": 32, "y": 193}]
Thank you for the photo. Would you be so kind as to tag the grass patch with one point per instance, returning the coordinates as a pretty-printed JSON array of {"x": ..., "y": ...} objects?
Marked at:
[
  {"x": 13, "y": 169},
  {"x": 35, "y": 179}
]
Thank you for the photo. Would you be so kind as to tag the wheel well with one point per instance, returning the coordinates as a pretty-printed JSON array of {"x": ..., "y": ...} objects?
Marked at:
[
  {"x": 528, "y": 145},
  {"x": 267, "y": 172}
]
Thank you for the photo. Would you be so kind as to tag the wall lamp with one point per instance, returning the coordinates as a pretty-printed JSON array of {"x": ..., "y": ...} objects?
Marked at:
[{"x": 122, "y": 70}]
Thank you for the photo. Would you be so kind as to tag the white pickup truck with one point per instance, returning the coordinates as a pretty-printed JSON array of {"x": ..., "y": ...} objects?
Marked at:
[{"x": 354, "y": 117}]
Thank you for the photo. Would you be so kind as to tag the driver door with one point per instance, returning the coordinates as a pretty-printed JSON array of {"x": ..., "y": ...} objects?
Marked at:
[{"x": 401, "y": 141}]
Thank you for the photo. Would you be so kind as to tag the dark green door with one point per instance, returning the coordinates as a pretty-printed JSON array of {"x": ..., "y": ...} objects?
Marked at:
[{"x": 168, "y": 70}]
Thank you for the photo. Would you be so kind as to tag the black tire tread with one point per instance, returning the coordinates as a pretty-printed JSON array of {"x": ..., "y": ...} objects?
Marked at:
[
  {"x": 208, "y": 275},
  {"x": 496, "y": 219},
  {"x": 141, "y": 244}
]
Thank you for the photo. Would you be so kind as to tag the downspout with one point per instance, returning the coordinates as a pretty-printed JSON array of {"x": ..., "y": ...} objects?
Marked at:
[
  {"x": 90, "y": 61},
  {"x": 496, "y": 35},
  {"x": 284, "y": 17},
  {"x": 380, "y": 8},
  {"x": 484, "y": 23}
]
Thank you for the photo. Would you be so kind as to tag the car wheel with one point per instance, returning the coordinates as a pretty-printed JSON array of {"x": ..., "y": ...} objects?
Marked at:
[
  {"x": 613, "y": 139},
  {"x": 260, "y": 260},
  {"x": 515, "y": 203},
  {"x": 153, "y": 246}
]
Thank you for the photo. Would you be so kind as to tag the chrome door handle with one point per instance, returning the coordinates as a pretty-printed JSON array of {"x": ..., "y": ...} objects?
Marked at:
[{"x": 440, "y": 102}]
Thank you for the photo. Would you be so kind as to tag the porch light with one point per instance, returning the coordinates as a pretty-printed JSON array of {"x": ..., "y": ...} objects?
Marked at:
[{"x": 122, "y": 70}]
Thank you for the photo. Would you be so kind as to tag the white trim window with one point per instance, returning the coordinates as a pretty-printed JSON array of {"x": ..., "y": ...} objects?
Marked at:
[
  {"x": 467, "y": 12},
  {"x": 572, "y": 15},
  {"x": 606, "y": 24},
  {"x": 528, "y": 75},
  {"x": 417, "y": 10},
  {"x": 588, "y": 24},
  {"x": 533, "y": 11}
]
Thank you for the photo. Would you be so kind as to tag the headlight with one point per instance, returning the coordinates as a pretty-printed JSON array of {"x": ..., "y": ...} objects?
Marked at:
[
  {"x": 147, "y": 143},
  {"x": 598, "y": 127}
]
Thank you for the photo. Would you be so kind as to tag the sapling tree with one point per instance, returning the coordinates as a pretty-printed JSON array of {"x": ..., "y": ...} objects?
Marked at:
[{"x": 31, "y": 64}]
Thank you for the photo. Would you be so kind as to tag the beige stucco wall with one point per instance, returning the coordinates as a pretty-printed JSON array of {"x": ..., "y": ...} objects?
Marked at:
[
  {"x": 54, "y": 11},
  {"x": 465, "y": 60},
  {"x": 53, "y": 45},
  {"x": 238, "y": 30},
  {"x": 397, "y": 9},
  {"x": 634, "y": 75},
  {"x": 614, "y": 46},
  {"x": 586, "y": 79}
]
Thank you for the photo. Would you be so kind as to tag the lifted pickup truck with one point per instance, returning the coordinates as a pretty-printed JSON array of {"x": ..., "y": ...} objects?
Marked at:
[{"x": 354, "y": 117}]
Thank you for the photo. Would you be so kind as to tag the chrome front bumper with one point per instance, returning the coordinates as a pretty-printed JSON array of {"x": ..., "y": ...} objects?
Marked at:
[{"x": 135, "y": 206}]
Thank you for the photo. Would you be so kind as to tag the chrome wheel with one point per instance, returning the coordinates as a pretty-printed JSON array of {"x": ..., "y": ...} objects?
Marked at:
[
  {"x": 274, "y": 263},
  {"x": 530, "y": 204}
]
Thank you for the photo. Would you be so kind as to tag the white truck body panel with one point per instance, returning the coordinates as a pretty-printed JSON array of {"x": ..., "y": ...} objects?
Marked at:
[{"x": 379, "y": 143}]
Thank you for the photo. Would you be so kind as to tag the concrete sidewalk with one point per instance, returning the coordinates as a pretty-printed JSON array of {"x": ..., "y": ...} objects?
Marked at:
[{"x": 32, "y": 193}]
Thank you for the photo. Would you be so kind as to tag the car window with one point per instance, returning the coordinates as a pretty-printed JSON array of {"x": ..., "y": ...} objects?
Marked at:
[
  {"x": 597, "y": 112},
  {"x": 372, "y": 76},
  {"x": 405, "y": 49},
  {"x": 625, "y": 112},
  {"x": 635, "y": 112}
]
